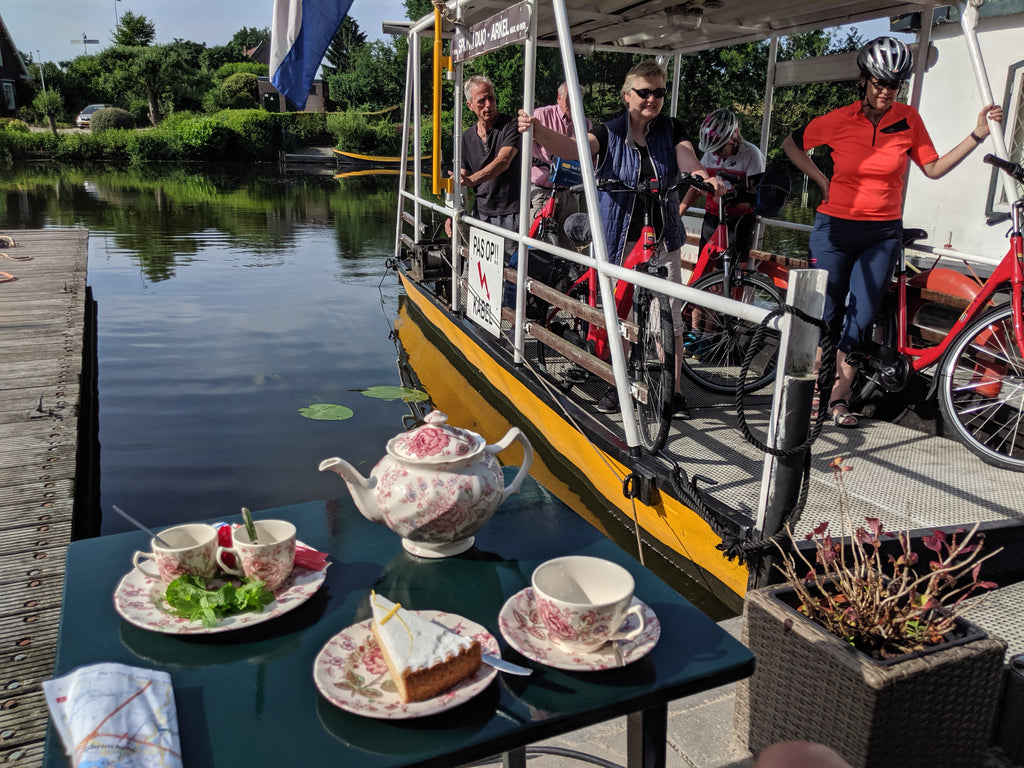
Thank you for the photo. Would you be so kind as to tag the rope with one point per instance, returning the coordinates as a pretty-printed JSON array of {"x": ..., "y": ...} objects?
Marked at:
[
  {"x": 15, "y": 258},
  {"x": 6, "y": 277}
]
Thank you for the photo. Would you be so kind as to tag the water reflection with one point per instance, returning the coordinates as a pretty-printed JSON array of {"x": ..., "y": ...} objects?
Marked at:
[{"x": 227, "y": 301}]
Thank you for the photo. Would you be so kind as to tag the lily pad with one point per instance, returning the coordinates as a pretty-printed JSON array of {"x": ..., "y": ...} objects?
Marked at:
[
  {"x": 407, "y": 394},
  {"x": 326, "y": 412}
]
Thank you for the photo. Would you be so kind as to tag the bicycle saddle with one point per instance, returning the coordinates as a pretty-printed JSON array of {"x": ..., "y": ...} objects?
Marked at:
[
  {"x": 912, "y": 235},
  {"x": 577, "y": 229}
]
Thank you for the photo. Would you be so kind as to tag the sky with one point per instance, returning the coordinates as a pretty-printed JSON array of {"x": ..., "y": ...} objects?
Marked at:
[{"x": 49, "y": 26}]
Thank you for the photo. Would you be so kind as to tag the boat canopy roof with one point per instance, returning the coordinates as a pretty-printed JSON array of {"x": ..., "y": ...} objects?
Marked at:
[{"x": 669, "y": 27}]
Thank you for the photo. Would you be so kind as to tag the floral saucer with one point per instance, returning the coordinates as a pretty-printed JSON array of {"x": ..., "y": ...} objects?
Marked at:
[
  {"x": 521, "y": 627},
  {"x": 139, "y": 599},
  {"x": 351, "y": 673}
]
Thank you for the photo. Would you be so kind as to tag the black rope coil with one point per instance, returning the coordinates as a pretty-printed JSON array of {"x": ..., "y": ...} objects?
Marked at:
[{"x": 740, "y": 547}]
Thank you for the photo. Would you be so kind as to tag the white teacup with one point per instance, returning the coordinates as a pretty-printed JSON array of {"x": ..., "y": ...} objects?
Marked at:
[
  {"x": 270, "y": 559},
  {"x": 583, "y": 602},
  {"x": 192, "y": 550}
]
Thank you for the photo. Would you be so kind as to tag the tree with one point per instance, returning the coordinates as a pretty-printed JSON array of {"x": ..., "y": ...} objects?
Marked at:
[
  {"x": 134, "y": 30},
  {"x": 348, "y": 39},
  {"x": 164, "y": 77},
  {"x": 51, "y": 105},
  {"x": 374, "y": 80},
  {"x": 247, "y": 38}
]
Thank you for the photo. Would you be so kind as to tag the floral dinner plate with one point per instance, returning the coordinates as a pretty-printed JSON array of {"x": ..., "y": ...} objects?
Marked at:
[
  {"x": 139, "y": 600},
  {"x": 351, "y": 673},
  {"x": 521, "y": 627}
]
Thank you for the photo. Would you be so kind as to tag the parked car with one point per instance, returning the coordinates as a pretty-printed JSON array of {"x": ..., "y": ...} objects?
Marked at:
[{"x": 83, "y": 118}]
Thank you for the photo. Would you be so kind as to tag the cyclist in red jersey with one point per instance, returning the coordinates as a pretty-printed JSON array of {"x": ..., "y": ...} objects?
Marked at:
[{"x": 858, "y": 227}]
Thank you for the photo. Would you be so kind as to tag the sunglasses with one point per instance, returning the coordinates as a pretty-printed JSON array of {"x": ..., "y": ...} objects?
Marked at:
[
  {"x": 891, "y": 85},
  {"x": 646, "y": 93}
]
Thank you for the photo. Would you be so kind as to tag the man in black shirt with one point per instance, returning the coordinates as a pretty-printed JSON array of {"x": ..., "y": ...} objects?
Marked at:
[{"x": 490, "y": 157}]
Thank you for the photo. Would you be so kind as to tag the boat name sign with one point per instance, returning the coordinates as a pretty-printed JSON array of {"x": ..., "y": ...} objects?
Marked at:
[
  {"x": 486, "y": 253},
  {"x": 509, "y": 26}
]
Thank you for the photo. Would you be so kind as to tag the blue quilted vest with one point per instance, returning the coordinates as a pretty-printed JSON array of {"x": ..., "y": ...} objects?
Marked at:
[{"x": 623, "y": 162}]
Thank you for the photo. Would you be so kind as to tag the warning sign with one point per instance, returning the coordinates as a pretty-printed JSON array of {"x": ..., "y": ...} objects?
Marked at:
[{"x": 486, "y": 252}]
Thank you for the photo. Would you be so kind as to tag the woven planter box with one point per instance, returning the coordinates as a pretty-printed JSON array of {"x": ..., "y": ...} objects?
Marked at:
[{"x": 932, "y": 709}]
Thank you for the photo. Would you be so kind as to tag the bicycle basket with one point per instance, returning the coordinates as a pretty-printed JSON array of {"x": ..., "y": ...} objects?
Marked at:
[
  {"x": 772, "y": 192},
  {"x": 565, "y": 173}
]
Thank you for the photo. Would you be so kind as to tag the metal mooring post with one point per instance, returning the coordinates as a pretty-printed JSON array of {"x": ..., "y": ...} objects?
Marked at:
[{"x": 791, "y": 405}]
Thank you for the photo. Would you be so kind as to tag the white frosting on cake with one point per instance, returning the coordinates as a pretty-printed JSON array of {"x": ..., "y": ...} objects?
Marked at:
[{"x": 411, "y": 642}]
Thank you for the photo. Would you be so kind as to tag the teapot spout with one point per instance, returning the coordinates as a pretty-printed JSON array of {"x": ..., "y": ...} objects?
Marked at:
[{"x": 360, "y": 487}]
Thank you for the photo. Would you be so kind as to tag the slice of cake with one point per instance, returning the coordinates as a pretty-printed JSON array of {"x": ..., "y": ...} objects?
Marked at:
[{"x": 424, "y": 658}]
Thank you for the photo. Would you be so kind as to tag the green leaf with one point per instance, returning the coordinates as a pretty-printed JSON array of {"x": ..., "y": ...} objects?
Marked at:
[
  {"x": 326, "y": 412},
  {"x": 407, "y": 394},
  {"x": 189, "y": 596}
]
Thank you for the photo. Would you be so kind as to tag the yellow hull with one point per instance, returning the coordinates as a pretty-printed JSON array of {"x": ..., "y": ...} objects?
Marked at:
[{"x": 670, "y": 521}]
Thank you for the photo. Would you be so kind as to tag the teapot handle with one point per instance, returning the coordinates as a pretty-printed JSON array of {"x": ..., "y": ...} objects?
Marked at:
[{"x": 514, "y": 434}]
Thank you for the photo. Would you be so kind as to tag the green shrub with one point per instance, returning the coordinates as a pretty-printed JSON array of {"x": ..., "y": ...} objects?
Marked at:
[
  {"x": 109, "y": 118},
  {"x": 78, "y": 147},
  {"x": 224, "y": 71},
  {"x": 240, "y": 91},
  {"x": 354, "y": 133},
  {"x": 203, "y": 138},
  {"x": 14, "y": 124},
  {"x": 310, "y": 128},
  {"x": 259, "y": 132},
  {"x": 153, "y": 145}
]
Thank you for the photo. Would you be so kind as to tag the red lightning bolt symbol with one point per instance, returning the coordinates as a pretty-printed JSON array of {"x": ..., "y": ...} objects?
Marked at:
[{"x": 483, "y": 280}]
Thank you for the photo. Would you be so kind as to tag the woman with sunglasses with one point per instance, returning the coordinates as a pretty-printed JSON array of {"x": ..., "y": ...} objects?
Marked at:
[
  {"x": 858, "y": 228},
  {"x": 641, "y": 143}
]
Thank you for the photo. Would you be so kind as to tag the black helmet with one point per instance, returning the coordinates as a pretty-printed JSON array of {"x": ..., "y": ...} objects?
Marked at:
[{"x": 885, "y": 58}]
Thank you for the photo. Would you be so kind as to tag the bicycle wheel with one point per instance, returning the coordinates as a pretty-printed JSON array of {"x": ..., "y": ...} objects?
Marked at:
[
  {"x": 981, "y": 390},
  {"x": 652, "y": 363},
  {"x": 565, "y": 373},
  {"x": 716, "y": 343}
]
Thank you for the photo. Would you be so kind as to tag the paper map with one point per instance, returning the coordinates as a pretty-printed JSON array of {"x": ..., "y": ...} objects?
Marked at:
[{"x": 112, "y": 714}]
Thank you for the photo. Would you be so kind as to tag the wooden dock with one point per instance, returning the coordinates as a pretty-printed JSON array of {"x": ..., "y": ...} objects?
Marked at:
[{"x": 47, "y": 413}]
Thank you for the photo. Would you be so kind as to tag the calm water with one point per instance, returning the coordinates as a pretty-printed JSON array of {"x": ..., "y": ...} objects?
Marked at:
[{"x": 226, "y": 303}]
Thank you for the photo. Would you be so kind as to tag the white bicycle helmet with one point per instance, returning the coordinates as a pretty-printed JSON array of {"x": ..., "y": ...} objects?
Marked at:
[
  {"x": 717, "y": 129},
  {"x": 885, "y": 58}
]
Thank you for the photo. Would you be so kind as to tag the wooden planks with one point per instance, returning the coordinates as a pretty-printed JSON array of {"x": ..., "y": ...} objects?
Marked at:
[{"x": 44, "y": 372}]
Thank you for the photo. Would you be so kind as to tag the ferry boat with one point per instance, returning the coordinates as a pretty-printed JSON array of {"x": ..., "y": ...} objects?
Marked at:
[{"x": 709, "y": 502}]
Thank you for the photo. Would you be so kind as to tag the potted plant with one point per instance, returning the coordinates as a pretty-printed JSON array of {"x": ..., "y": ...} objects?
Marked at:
[{"x": 869, "y": 653}]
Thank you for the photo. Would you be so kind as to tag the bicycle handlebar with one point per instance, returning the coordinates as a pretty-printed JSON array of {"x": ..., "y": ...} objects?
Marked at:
[
  {"x": 1014, "y": 169},
  {"x": 650, "y": 186}
]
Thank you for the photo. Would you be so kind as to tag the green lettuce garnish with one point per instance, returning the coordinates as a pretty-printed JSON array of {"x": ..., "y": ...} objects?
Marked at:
[{"x": 189, "y": 597}]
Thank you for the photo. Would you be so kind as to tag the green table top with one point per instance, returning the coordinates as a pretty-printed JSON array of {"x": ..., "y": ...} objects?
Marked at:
[{"x": 248, "y": 697}]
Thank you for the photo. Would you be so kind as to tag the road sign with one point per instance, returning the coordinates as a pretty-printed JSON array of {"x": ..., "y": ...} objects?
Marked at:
[
  {"x": 501, "y": 29},
  {"x": 86, "y": 41}
]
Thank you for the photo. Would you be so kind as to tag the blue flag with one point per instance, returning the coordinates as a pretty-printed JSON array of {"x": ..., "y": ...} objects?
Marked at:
[{"x": 299, "y": 37}]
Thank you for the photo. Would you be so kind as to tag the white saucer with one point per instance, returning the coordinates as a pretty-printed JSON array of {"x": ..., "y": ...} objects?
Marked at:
[
  {"x": 139, "y": 599},
  {"x": 351, "y": 673},
  {"x": 522, "y": 629}
]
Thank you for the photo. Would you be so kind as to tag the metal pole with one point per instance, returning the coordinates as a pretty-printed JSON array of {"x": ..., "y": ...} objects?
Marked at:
[
  {"x": 969, "y": 23},
  {"x": 791, "y": 405},
  {"x": 40, "y": 63}
]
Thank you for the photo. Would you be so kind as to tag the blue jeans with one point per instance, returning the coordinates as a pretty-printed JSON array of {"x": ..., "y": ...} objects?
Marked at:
[{"x": 860, "y": 257}]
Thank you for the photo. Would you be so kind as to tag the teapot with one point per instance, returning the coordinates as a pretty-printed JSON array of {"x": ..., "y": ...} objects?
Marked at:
[{"x": 437, "y": 485}]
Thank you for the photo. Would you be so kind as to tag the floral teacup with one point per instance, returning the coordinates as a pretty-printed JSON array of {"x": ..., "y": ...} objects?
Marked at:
[
  {"x": 192, "y": 549},
  {"x": 270, "y": 559},
  {"x": 583, "y": 602}
]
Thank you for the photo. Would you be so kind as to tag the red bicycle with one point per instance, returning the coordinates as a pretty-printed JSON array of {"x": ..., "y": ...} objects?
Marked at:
[
  {"x": 651, "y": 359},
  {"x": 715, "y": 342},
  {"x": 980, "y": 375}
]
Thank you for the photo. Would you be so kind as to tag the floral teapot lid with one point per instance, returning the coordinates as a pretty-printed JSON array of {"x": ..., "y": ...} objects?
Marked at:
[{"x": 436, "y": 442}]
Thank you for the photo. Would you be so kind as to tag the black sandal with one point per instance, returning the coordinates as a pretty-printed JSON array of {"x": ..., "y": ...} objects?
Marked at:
[{"x": 845, "y": 420}]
